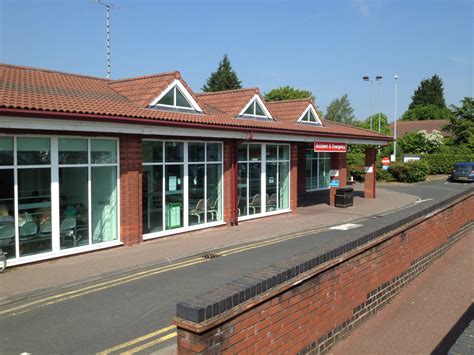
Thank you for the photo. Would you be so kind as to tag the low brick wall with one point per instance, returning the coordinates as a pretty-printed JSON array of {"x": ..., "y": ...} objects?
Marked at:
[{"x": 304, "y": 305}]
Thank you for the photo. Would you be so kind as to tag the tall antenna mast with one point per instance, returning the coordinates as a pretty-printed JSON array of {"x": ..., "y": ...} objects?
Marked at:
[{"x": 107, "y": 6}]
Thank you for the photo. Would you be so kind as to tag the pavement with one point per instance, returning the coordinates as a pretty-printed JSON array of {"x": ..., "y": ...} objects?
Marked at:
[
  {"x": 68, "y": 271},
  {"x": 123, "y": 299},
  {"x": 427, "y": 315}
]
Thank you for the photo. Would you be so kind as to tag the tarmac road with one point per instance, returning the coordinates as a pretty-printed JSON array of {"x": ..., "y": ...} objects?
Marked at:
[{"x": 131, "y": 313}]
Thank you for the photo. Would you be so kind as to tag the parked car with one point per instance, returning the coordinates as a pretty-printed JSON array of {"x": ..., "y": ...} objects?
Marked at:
[{"x": 463, "y": 172}]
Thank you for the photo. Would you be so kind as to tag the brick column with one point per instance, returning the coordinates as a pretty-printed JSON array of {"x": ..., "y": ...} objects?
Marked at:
[
  {"x": 301, "y": 168},
  {"x": 370, "y": 178},
  {"x": 130, "y": 189},
  {"x": 230, "y": 183},
  {"x": 294, "y": 177},
  {"x": 338, "y": 162}
]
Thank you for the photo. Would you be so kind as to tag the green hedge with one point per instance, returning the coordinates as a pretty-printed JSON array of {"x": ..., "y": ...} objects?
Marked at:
[
  {"x": 444, "y": 163},
  {"x": 412, "y": 171}
]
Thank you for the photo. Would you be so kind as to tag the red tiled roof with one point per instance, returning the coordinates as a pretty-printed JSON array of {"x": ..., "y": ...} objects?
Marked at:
[
  {"x": 27, "y": 89},
  {"x": 403, "y": 127},
  {"x": 289, "y": 110}
]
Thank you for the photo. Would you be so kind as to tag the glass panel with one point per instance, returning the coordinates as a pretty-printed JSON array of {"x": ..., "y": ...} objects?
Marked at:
[
  {"x": 152, "y": 205},
  {"x": 152, "y": 152},
  {"x": 272, "y": 180},
  {"x": 181, "y": 100},
  {"x": 327, "y": 168},
  {"x": 272, "y": 152},
  {"x": 104, "y": 203},
  {"x": 168, "y": 99},
  {"x": 314, "y": 174},
  {"x": 284, "y": 152},
  {"x": 33, "y": 151},
  {"x": 308, "y": 174},
  {"x": 255, "y": 152},
  {"x": 250, "y": 109},
  {"x": 214, "y": 152},
  {"x": 34, "y": 210},
  {"x": 259, "y": 110},
  {"x": 6, "y": 150},
  {"x": 7, "y": 213},
  {"x": 74, "y": 202},
  {"x": 242, "y": 152},
  {"x": 103, "y": 151},
  {"x": 174, "y": 196},
  {"x": 72, "y": 151},
  {"x": 255, "y": 194},
  {"x": 284, "y": 186},
  {"x": 242, "y": 186},
  {"x": 196, "y": 152},
  {"x": 196, "y": 194},
  {"x": 311, "y": 117},
  {"x": 214, "y": 192},
  {"x": 174, "y": 151}
]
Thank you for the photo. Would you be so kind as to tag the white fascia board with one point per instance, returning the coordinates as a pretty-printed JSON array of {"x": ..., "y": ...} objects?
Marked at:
[
  {"x": 47, "y": 124},
  {"x": 310, "y": 107},
  {"x": 184, "y": 91},
  {"x": 257, "y": 98}
]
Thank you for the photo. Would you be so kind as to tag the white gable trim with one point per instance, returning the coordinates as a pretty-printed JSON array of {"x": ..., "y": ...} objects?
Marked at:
[
  {"x": 257, "y": 98},
  {"x": 310, "y": 107},
  {"x": 184, "y": 91}
]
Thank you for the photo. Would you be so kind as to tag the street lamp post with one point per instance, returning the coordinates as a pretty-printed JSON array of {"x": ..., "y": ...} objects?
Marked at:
[
  {"x": 366, "y": 78},
  {"x": 379, "y": 79},
  {"x": 395, "y": 121}
]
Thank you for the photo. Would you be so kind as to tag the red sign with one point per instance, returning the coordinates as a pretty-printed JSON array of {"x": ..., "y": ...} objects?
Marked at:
[
  {"x": 330, "y": 147},
  {"x": 385, "y": 161}
]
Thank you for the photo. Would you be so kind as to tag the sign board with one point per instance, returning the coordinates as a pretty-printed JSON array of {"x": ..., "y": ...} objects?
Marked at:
[
  {"x": 392, "y": 157},
  {"x": 334, "y": 183},
  {"x": 385, "y": 161},
  {"x": 333, "y": 172},
  {"x": 369, "y": 169},
  {"x": 330, "y": 147},
  {"x": 407, "y": 158}
]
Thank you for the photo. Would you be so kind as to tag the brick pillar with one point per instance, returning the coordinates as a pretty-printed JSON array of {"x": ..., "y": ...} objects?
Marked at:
[
  {"x": 301, "y": 168},
  {"x": 294, "y": 177},
  {"x": 370, "y": 178},
  {"x": 130, "y": 189},
  {"x": 230, "y": 183},
  {"x": 339, "y": 163}
]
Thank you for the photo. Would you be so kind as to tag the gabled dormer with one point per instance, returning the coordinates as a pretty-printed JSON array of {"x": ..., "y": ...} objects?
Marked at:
[
  {"x": 310, "y": 116},
  {"x": 175, "y": 97},
  {"x": 256, "y": 109}
]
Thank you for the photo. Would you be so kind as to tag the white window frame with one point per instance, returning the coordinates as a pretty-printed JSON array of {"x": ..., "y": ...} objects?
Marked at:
[
  {"x": 256, "y": 99},
  {"x": 302, "y": 118},
  {"x": 177, "y": 84},
  {"x": 186, "y": 227},
  {"x": 318, "y": 158},
  {"x": 54, "y": 167},
  {"x": 263, "y": 179}
]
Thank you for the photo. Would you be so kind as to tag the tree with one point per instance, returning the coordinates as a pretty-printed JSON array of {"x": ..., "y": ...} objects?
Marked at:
[
  {"x": 429, "y": 92},
  {"x": 340, "y": 110},
  {"x": 375, "y": 124},
  {"x": 427, "y": 112},
  {"x": 461, "y": 123},
  {"x": 421, "y": 142},
  {"x": 288, "y": 93},
  {"x": 224, "y": 78}
]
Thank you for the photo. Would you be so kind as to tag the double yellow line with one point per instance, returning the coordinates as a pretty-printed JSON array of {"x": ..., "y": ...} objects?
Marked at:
[
  {"x": 156, "y": 338},
  {"x": 49, "y": 300}
]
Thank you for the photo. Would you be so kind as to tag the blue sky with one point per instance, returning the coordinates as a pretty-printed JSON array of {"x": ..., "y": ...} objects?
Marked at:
[{"x": 322, "y": 46}]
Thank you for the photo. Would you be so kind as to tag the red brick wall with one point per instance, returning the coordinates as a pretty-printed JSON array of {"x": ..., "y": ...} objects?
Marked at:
[
  {"x": 294, "y": 177},
  {"x": 338, "y": 162},
  {"x": 130, "y": 189},
  {"x": 302, "y": 168},
  {"x": 230, "y": 182},
  {"x": 309, "y": 316},
  {"x": 370, "y": 178}
]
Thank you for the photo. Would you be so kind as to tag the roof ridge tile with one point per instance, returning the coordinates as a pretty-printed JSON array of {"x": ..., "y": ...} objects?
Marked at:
[{"x": 254, "y": 89}]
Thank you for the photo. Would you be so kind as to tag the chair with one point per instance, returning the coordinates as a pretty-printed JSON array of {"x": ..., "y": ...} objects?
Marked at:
[
  {"x": 45, "y": 229},
  {"x": 255, "y": 203},
  {"x": 272, "y": 202},
  {"x": 198, "y": 210},
  {"x": 68, "y": 229},
  {"x": 7, "y": 234},
  {"x": 28, "y": 231},
  {"x": 212, "y": 208}
]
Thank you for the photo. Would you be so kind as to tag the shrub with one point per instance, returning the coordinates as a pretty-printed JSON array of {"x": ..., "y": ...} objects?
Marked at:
[
  {"x": 412, "y": 171},
  {"x": 444, "y": 163},
  {"x": 356, "y": 171},
  {"x": 384, "y": 175}
]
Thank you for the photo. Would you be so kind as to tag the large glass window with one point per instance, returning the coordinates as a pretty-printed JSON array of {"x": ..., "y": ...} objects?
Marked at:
[
  {"x": 318, "y": 167},
  {"x": 191, "y": 175},
  {"x": 55, "y": 179},
  {"x": 263, "y": 184}
]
